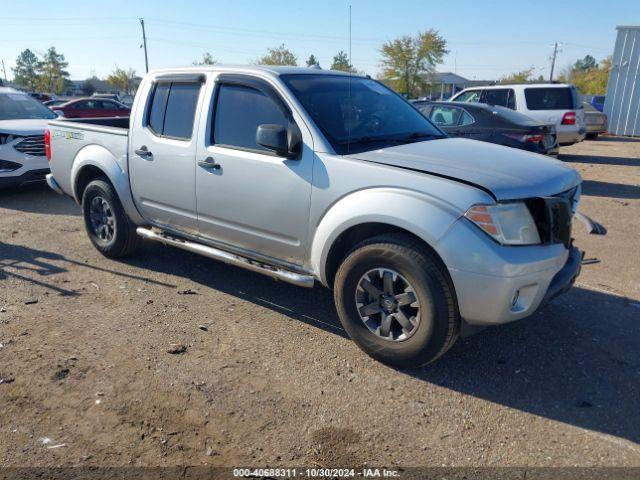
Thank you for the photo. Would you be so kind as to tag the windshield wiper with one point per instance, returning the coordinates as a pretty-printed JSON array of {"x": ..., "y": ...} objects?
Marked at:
[{"x": 416, "y": 136}]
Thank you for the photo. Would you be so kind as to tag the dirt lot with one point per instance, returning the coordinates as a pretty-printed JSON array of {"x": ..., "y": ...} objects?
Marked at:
[{"x": 268, "y": 377}]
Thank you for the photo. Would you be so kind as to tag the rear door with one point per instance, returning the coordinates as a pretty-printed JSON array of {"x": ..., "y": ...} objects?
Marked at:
[{"x": 162, "y": 152}]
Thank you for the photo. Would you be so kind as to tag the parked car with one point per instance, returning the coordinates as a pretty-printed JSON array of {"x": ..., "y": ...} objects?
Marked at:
[
  {"x": 308, "y": 175},
  {"x": 597, "y": 102},
  {"x": 595, "y": 120},
  {"x": 54, "y": 103},
  {"x": 23, "y": 122},
  {"x": 92, "y": 107},
  {"x": 490, "y": 123},
  {"x": 554, "y": 103}
]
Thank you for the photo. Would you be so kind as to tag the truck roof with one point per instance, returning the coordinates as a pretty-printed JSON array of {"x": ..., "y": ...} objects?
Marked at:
[{"x": 269, "y": 69}]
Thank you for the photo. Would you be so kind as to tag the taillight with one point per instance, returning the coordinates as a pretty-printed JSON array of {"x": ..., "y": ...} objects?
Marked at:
[
  {"x": 47, "y": 144},
  {"x": 535, "y": 138},
  {"x": 569, "y": 118}
]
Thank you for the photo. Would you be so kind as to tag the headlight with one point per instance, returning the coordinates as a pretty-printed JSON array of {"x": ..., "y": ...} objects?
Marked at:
[{"x": 508, "y": 223}]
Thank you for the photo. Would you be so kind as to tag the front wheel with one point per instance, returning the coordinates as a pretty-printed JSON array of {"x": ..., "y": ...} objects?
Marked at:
[
  {"x": 108, "y": 226},
  {"x": 396, "y": 301}
]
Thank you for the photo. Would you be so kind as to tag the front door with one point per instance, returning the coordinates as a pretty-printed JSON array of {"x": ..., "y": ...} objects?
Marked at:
[
  {"x": 162, "y": 155},
  {"x": 248, "y": 197}
]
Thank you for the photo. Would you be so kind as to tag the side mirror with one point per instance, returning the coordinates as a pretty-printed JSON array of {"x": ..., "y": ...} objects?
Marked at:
[{"x": 284, "y": 142}]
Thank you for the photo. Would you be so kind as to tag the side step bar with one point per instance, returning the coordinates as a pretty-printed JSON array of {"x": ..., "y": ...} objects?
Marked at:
[{"x": 230, "y": 258}]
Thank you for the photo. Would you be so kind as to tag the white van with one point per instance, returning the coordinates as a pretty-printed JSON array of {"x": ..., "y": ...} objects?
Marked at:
[{"x": 555, "y": 103}]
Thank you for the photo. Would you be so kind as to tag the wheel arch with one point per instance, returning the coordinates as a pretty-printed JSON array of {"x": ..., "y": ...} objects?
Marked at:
[
  {"x": 374, "y": 212},
  {"x": 94, "y": 162}
]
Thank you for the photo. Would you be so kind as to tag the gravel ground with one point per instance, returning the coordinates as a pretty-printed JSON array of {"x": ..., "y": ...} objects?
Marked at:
[{"x": 268, "y": 376}]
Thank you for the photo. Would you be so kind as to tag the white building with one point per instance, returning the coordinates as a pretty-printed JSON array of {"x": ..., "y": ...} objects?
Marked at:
[{"x": 622, "y": 104}]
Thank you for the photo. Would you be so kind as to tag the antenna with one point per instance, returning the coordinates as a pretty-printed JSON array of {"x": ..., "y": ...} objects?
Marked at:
[{"x": 350, "y": 103}]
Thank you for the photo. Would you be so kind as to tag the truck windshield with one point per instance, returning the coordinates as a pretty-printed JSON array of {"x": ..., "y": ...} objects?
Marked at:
[
  {"x": 358, "y": 114},
  {"x": 18, "y": 106}
]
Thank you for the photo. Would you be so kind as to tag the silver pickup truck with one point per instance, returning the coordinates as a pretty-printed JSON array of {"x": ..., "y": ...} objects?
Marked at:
[{"x": 308, "y": 175}]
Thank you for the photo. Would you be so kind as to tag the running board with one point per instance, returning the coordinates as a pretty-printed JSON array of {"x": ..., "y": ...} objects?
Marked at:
[{"x": 230, "y": 258}]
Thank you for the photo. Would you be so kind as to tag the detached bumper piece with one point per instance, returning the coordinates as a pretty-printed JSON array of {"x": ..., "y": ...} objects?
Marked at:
[
  {"x": 566, "y": 277},
  {"x": 32, "y": 176}
]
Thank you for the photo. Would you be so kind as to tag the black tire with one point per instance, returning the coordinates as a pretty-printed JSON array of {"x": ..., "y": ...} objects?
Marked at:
[
  {"x": 439, "y": 321},
  {"x": 592, "y": 136},
  {"x": 124, "y": 239}
]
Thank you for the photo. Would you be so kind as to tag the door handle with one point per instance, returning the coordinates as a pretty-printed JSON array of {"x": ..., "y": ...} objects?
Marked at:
[
  {"x": 209, "y": 162},
  {"x": 144, "y": 152}
]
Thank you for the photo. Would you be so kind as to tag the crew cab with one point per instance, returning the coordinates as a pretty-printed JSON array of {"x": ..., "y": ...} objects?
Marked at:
[{"x": 318, "y": 176}]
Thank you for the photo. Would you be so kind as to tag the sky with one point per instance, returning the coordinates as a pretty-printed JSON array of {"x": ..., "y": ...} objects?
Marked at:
[{"x": 486, "y": 39}]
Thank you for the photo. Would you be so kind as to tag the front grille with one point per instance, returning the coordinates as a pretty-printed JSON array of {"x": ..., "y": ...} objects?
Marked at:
[
  {"x": 31, "y": 145},
  {"x": 553, "y": 216}
]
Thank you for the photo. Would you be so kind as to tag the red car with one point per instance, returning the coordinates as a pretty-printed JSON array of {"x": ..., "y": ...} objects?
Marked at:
[{"x": 92, "y": 107}]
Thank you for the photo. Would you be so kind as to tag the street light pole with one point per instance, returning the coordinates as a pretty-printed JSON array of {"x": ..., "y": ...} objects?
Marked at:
[{"x": 144, "y": 43}]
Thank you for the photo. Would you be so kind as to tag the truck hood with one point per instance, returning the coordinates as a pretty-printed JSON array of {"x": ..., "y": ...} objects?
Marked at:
[
  {"x": 35, "y": 126},
  {"x": 507, "y": 173}
]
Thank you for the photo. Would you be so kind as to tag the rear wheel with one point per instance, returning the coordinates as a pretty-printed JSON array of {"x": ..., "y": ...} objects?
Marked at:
[
  {"x": 107, "y": 225},
  {"x": 396, "y": 301},
  {"x": 592, "y": 136}
]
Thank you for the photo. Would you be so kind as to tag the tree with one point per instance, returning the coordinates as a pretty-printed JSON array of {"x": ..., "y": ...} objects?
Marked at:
[
  {"x": 587, "y": 63},
  {"x": 122, "y": 79},
  {"x": 87, "y": 86},
  {"x": 26, "y": 70},
  {"x": 341, "y": 63},
  {"x": 52, "y": 76},
  {"x": 207, "y": 59},
  {"x": 279, "y": 56},
  {"x": 312, "y": 61},
  {"x": 523, "y": 76},
  {"x": 408, "y": 61},
  {"x": 590, "y": 81}
]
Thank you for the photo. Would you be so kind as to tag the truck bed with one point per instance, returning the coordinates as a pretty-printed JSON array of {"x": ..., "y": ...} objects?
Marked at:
[{"x": 79, "y": 141}]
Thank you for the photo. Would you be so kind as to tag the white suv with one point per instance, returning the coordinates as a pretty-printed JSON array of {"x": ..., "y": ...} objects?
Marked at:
[
  {"x": 23, "y": 122},
  {"x": 554, "y": 103}
]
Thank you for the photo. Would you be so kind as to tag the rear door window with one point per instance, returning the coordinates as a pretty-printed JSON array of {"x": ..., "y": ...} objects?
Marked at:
[
  {"x": 559, "y": 98},
  {"x": 503, "y": 97},
  {"x": 445, "y": 116},
  {"x": 239, "y": 112},
  {"x": 173, "y": 108}
]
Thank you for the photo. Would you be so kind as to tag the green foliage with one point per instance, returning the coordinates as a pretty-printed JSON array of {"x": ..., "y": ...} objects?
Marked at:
[
  {"x": 341, "y": 63},
  {"x": 587, "y": 63},
  {"x": 52, "y": 76},
  {"x": 207, "y": 59},
  {"x": 524, "y": 76},
  {"x": 312, "y": 60},
  {"x": 87, "y": 87},
  {"x": 408, "y": 61},
  {"x": 122, "y": 79},
  {"x": 589, "y": 79},
  {"x": 279, "y": 56},
  {"x": 26, "y": 70}
]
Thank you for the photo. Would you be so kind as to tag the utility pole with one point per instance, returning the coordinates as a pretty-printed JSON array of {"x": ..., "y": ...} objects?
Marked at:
[
  {"x": 144, "y": 44},
  {"x": 553, "y": 61}
]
